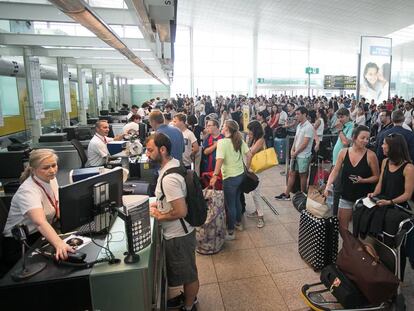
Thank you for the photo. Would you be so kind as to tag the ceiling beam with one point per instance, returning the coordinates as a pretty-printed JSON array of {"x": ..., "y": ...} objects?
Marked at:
[
  {"x": 49, "y": 13},
  {"x": 83, "y": 53},
  {"x": 61, "y": 40}
]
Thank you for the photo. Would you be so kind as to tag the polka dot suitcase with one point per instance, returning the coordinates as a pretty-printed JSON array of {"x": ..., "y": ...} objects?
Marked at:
[{"x": 318, "y": 240}]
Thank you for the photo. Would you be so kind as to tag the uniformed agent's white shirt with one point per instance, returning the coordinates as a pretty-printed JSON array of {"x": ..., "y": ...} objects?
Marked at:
[
  {"x": 97, "y": 150},
  {"x": 30, "y": 196}
]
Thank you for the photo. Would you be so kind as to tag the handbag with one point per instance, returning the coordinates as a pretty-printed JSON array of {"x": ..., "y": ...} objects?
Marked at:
[
  {"x": 343, "y": 289},
  {"x": 299, "y": 201},
  {"x": 264, "y": 160},
  {"x": 362, "y": 266},
  {"x": 316, "y": 203},
  {"x": 250, "y": 181}
]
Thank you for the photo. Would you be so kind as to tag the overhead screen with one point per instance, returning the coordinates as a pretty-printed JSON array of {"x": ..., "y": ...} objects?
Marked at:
[
  {"x": 375, "y": 68},
  {"x": 339, "y": 82}
]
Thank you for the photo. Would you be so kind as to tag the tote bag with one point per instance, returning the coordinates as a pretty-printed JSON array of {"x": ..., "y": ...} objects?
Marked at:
[
  {"x": 316, "y": 203},
  {"x": 264, "y": 160}
]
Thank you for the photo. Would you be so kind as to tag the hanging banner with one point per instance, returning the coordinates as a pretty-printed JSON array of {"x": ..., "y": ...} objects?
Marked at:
[
  {"x": 36, "y": 83},
  {"x": 85, "y": 90},
  {"x": 66, "y": 88},
  {"x": 374, "y": 72}
]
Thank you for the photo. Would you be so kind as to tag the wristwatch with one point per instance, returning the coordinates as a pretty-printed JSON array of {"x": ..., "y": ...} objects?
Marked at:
[{"x": 214, "y": 174}]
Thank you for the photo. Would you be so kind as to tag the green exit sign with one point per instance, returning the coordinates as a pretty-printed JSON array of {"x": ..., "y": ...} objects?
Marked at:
[{"x": 311, "y": 70}]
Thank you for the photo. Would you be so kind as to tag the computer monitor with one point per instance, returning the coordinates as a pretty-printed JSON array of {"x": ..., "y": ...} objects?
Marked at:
[
  {"x": 12, "y": 164},
  {"x": 104, "y": 112},
  {"x": 106, "y": 118},
  {"x": 77, "y": 201}
]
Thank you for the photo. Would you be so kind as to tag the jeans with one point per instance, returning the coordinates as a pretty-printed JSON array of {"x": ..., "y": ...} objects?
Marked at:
[{"x": 231, "y": 189}]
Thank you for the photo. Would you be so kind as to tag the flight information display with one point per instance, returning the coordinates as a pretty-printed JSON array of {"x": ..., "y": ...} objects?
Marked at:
[{"x": 339, "y": 82}]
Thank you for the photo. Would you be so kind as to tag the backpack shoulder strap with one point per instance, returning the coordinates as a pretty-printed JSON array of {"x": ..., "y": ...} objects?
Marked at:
[
  {"x": 178, "y": 170},
  {"x": 183, "y": 172}
]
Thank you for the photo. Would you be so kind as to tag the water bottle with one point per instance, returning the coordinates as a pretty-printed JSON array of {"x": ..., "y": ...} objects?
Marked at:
[
  {"x": 1, "y": 189},
  {"x": 329, "y": 199}
]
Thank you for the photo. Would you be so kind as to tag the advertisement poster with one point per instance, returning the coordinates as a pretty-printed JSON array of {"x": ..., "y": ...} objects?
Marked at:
[{"x": 375, "y": 68}]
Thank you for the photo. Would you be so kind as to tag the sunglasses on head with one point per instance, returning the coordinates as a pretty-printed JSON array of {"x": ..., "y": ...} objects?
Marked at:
[{"x": 392, "y": 135}]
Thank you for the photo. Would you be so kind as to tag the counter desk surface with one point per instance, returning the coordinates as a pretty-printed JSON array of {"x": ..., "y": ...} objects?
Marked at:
[{"x": 105, "y": 286}]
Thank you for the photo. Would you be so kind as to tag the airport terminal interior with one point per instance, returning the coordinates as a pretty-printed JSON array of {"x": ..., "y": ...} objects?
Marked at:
[{"x": 206, "y": 155}]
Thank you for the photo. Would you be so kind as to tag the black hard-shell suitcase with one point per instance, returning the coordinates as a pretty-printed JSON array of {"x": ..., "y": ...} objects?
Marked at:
[{"x": 318, "y": 240}]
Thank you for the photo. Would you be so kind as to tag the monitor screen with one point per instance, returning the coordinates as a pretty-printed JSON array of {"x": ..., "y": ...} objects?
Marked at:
[
  {"x": 12, "y": 164},
  {"x": 76, "y": 200}
]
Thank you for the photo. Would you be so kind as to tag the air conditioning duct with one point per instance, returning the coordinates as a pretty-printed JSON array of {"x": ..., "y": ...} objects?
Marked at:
[{"x": 80, "y": 11}]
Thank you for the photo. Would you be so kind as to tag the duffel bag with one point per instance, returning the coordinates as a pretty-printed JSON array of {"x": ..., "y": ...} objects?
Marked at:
[{"x": 376, "y": 282}]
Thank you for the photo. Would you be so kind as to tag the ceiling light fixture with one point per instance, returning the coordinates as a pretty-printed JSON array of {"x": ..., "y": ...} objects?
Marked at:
[{"x": 80, "y": 11}]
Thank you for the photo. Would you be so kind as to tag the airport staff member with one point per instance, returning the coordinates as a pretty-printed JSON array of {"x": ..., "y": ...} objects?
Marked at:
[
  {"x": 97, "y": 149},
  {"x": 36, "y": 205},
  {"x": 132, "y": 124}
]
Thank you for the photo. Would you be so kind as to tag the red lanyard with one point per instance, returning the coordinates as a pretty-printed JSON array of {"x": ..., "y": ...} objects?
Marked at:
[
  {"x": 104, "y": 139},
  {"x": 54, "y": 203}
]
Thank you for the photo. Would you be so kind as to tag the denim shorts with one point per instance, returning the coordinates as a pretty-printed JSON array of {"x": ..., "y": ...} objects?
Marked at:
[
  {"x": 180, "y": 260},
  {"x": 302, "y": 165},
  {"x": 346, "y": 204}
]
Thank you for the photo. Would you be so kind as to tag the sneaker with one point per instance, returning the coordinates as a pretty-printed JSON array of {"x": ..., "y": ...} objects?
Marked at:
[
  {"x": 260, "y": 222},
  {"x": 251, "y": 215},
  {"x": 230, "y": 236},
  {"x": 283, "y": 197},
  {"x": 178, "y": 301},
  {"x": 239, "y": 226}
]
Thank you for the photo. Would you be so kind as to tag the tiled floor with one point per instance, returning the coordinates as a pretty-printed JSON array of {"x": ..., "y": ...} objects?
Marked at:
[{"x": 261, "y": 269}]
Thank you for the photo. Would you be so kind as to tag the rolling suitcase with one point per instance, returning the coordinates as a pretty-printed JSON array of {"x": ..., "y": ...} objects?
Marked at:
[
  {"x": 210, "y": 236},
  {"x": 318, "y": 240},
  {"x": 280, "y": 148}
]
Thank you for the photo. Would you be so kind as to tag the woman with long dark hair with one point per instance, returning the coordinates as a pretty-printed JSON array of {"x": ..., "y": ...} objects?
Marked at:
[
  {"x": 320, "y": 123},
  {"x": 256, "y": 144},
  {"x": 229, "y": 160},
  {"x": 359, "y": 167},
  {"x": 396, "y": 183}
]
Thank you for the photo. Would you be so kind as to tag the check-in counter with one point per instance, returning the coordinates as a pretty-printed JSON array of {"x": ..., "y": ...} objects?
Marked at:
[{"x": 139, "y": 286}]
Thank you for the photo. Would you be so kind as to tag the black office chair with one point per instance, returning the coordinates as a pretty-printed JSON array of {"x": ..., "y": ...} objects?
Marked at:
[
  {"x": 81, "y": 151},
  {"x": 3, "y": 218}
]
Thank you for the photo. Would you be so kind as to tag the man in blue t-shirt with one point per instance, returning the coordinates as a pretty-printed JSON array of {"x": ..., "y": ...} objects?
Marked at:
[
  {"x": 208, "y": 158},
  {"x": 156, "y": 120}
]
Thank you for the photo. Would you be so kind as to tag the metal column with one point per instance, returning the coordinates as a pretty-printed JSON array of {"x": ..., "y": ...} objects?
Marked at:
[
  {"x": 254, "y": 69},
  {"x": 112, "y": 102},
  {"x": 34, "y": 124},
  {"x": 63, "y": 80},
  {"x": 105, "y": 102},
  {"x": 118, "y": 91},
  {"x": 82, "y": 104},
  {"x": 191, "y": 62},
  {"x": 95, "y": 105}
]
